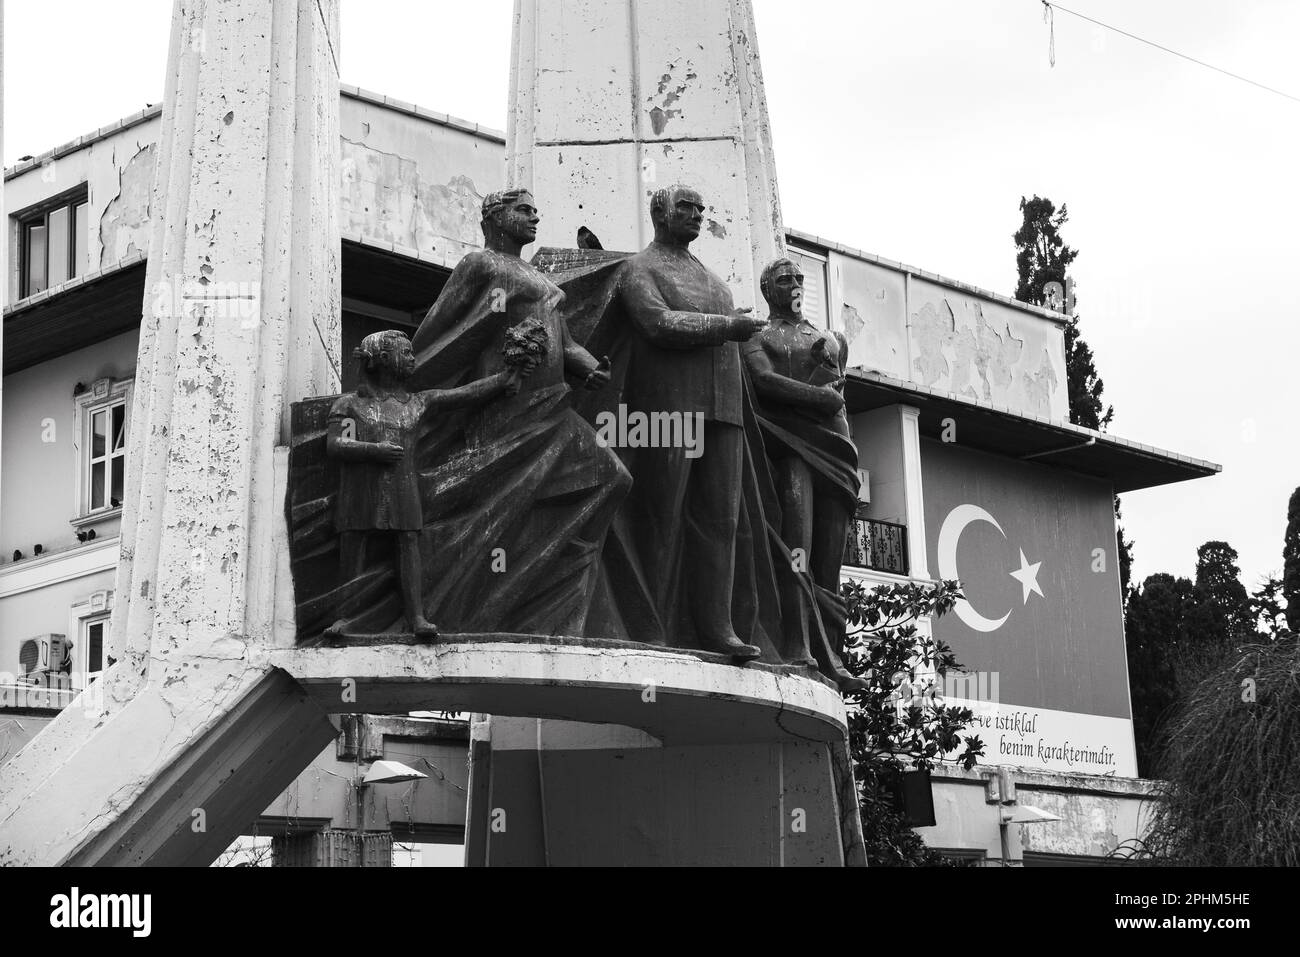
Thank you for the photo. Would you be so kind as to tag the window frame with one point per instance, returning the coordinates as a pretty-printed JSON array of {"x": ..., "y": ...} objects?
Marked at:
[
  {"x": 95, "y": 609},
  {"x": 102, "y": 396},
  {"x": 823, "y": 259},
  {"x": 39, "y": 215}
]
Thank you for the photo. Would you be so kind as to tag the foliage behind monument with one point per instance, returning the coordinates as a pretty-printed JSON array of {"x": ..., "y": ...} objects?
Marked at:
[{"x": 899, "y": 722}]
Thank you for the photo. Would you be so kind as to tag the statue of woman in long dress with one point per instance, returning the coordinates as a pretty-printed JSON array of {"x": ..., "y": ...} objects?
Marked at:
[{"x": 518, "y": 494}]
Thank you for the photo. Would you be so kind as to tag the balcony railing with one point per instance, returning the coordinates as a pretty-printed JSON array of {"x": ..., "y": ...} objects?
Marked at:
[{"x": 879, "y": 546}]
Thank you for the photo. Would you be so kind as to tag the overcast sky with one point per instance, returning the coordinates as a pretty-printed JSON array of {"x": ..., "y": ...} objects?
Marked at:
[{"x": 911, "y": 130}]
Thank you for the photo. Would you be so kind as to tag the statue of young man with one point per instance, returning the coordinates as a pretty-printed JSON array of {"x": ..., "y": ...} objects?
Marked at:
[
  {"x": 798, "y": 375},
  {"x": 684, "y": 510}
]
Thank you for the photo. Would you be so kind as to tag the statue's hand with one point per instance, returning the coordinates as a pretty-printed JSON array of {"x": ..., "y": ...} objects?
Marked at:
[
  {"x": 745, "y": 325},
  {"x": 831, "y": 400},
  {"x": 598, "y": 377},
  {"x": 388, "y": 452}
]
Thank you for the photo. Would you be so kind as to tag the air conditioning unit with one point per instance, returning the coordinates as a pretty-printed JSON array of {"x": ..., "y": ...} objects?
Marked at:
[{"x": 43, "y": 655}]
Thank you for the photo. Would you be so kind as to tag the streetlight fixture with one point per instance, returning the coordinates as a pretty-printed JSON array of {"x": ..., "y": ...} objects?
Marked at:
[{"x": 381, "y": 772}]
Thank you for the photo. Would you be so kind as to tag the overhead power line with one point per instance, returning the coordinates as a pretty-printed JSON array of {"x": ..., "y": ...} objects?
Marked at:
[{"x": 1049, "y": 8}]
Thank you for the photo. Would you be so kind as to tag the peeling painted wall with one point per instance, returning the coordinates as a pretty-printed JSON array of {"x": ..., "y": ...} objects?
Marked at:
[
  {"x": 982, "y": 349},
  {"x": 385, "y": 198},
  {"x": 124, "y": 224},
  {"x": 869, "y": 305},
  {"x": 922, "y": 331},
  {"x": 118, "y": 175},
  {"x": 405, "y": 180},
  {"x": 414, "y": 183}
]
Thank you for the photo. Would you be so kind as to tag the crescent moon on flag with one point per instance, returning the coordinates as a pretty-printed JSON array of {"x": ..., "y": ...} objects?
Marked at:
[{"x": 949, "y": 536}]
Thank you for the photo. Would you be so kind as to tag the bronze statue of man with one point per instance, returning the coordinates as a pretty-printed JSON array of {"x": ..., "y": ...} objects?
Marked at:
[
  {"x": 685, "y": 503},
  {"x": 798, "y": 376}
]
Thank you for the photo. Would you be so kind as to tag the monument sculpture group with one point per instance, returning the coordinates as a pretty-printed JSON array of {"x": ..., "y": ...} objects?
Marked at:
[{"x": 593, "y": 446}]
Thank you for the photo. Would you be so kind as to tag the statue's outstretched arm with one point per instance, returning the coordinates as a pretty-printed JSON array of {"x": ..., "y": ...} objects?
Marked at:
[{"x": 473, "y": 393}]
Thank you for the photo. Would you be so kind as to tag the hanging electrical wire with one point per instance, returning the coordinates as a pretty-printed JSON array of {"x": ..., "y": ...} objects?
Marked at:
[{"x": 1050, "y": 19}]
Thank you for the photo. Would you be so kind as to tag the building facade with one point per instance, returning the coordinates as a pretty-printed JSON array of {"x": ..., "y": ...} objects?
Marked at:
[{"x": 958, "y": 401}]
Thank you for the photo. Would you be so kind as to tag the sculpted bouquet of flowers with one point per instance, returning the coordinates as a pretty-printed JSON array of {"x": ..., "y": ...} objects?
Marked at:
[{"x": 524, "y": 348}]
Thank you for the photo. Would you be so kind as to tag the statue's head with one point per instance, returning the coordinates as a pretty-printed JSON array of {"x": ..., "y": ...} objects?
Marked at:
[
  {"x": 782, "y": 286},
  {"x": 677, "y": 213},
  {"x": 510, "y": 213},
  {"x": 386, "y": 357}
]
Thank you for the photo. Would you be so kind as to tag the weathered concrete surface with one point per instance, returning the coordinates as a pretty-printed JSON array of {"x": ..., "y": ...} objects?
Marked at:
[
  {"x": 413, "y": 179},
  {"x": 917, "y": 326},
  {"x": 597, "y": 123},
  {"x": 673, "y": 696},
  {"x": 241, "y": 318},
  {"x": 1098, "y": 814}
]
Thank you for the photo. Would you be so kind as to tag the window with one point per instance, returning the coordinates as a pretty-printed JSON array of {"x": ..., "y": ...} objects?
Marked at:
[
  {"x": 52, "y": 241},
  {"x": 93, "y": 635},
  {"x": 90, "y": 628},
  {"x": 102, "y": 428},
  {"x": 815, "y": 308}
]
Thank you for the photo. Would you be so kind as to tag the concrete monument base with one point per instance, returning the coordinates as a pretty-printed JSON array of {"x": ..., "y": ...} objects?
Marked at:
[
  {"x": 677, "y": 696},
  {"x": 562, "y": 793},
  {"x": 618, "y": 754}
]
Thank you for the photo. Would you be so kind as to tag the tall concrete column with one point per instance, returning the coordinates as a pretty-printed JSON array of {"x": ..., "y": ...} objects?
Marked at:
[
  {"x": 612, "y": 99},
  {"x": 241, "y": 317}
]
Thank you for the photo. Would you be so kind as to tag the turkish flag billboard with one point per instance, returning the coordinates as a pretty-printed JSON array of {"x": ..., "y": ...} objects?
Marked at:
[{"x": 1041, "y": 624}]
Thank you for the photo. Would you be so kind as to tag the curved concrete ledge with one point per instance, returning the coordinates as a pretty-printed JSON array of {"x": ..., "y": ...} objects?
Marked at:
[{"x": 678, "y": 697}]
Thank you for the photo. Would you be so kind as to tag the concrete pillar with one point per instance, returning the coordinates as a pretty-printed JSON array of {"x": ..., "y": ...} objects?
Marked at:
[
  {"x": 241, "y": 317},
  {"x": 612, "y": 100},
  {"x": 914, "y": 491}
]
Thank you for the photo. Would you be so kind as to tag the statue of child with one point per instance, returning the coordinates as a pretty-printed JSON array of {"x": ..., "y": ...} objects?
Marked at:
[{"x": 373, "y": 432}]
